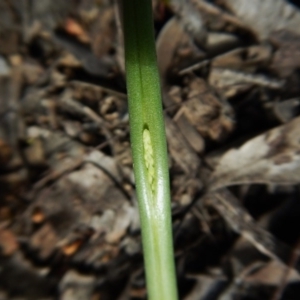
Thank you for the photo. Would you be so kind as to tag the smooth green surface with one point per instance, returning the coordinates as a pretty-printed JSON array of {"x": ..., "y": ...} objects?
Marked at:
[{"x": 145, "y": 111}]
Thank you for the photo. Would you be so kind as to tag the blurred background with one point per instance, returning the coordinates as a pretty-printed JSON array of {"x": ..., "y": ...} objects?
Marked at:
[{"x": 69, "y": 224}]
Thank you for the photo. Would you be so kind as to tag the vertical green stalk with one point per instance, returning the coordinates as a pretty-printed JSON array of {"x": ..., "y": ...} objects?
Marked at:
[{"x": 149, "y": 149}]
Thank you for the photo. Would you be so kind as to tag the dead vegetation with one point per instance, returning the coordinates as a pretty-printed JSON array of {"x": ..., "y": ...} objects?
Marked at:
[{"x": 69, "y": 226}]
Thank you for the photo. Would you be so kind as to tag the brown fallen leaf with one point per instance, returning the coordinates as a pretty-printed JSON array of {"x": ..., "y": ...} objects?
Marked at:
[
  {"x": 75, "y": 29},
  {"x": 77, "y": 286},
  {"x": 272, "y": 274},
  {"x": 244, "y": 58},
  {"x": 240, "y": 221},
  {"x": 180, "y": 150},
  {"x": 71, "y": 248},
  {"x": 273, "y": 157},
  {"x": 286, "y": 110},
  {"x": 38, "y": 216},
  {"x": 207, "y": 111},
  {"x": 175, "y": 47},
  {"x": 231, "y": 82},
  {"x": 286, "y": 59},
  {"x": 266, "y": 16},
  {"x": 8, "y": 242},
  {"x": 5, "y": 152},
  {"x": 103, "y": 33},
  {"x": 44, "y": 240}
]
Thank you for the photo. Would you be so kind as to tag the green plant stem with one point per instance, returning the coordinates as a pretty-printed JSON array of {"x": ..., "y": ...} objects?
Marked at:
[{"x": 149, "y": 149}]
